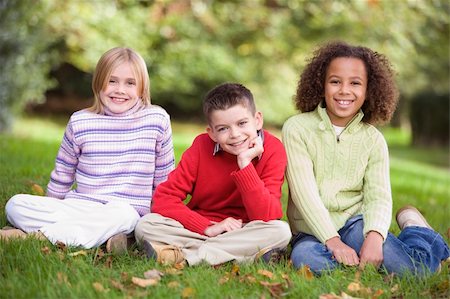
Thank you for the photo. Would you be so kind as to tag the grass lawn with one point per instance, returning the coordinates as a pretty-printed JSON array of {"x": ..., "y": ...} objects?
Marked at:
[{"x": 38, "y": 269}]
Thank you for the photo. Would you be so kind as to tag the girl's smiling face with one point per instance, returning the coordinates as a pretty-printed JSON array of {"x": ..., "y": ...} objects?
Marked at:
[
  {"x": 345, "y": 89},
  {"x": 121, "y": 91}
]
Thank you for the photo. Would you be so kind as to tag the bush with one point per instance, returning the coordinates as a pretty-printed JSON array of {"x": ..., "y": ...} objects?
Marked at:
[{"x": 429, "y": 118}]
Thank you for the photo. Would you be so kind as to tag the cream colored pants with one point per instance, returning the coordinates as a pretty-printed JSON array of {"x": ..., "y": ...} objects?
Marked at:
[
  {"x": 241, "y": 245},
  {"x": 73, "y": 222}
]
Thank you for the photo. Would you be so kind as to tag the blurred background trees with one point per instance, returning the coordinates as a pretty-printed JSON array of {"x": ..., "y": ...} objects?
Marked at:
[{"x": 48, "y": 50}]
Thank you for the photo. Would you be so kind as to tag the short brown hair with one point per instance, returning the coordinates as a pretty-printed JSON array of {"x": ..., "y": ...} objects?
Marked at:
[
  {"x": 105, "y": 66},
  {"x": 227, "y": 95},
  {"x": 381, "y": 95}
]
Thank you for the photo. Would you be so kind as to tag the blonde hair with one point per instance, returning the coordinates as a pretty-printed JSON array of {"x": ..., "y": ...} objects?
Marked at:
[{"x": 108, "y": 62}]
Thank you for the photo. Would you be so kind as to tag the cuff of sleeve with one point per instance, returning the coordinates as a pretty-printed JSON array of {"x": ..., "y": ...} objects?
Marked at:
[{"x": 247, "y": 178}]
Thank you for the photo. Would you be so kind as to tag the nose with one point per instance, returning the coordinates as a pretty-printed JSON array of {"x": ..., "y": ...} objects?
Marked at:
[
  {"x": 234, "y": 132},
  {"x": 344, "y": 88},
  {"x": 120, "y": 88}
]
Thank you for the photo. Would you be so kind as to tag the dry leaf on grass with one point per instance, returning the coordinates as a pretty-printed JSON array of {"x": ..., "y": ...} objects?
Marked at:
[
  {"x": 62, "y": 278},
  {"x": 305, "y": 272},
  {"x": 143, "y": 283},
  {"x": 275, "y": 289},
  {"x": 37, "y": 190},
  {"x": 77, "y": 253},
  {"x": 153, "y": 274},
  {"x": 187, "y": 293},
  {"x": 265, "y": 273},
  {"x": 99, "y": 287},
  {"x": 117, "y": 285},
  {"x": 108, "y": 262},
  {"x": 45, "y": 250},
  {"x": 173, "y": 284},
  {"x": 61, "y": 246}
]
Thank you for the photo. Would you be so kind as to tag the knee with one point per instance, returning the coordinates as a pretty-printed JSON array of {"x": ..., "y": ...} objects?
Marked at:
[
  {"x": 13, "y": 206},
  {"x": 144, "y": 225},
  {"x": 282, "y": 231},
  {"x": 314, "y": 255}
]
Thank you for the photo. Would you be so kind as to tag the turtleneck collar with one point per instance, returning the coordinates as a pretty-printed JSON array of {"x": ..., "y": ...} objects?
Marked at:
[
  {"x": 138, "y": 106},
  {"x": 353, "y": 124}
]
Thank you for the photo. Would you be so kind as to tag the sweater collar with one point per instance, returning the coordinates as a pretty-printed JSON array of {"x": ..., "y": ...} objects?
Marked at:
[
  {"x": 138, "y": 106},
  {"x": 354, "y": 125}
]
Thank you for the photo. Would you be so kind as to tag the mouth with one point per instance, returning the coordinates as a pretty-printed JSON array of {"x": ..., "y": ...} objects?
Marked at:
[
  {"x": 344, "y": 102},
  {"x": 239, "y": 143},
  {"x": 118, "y": 100}
]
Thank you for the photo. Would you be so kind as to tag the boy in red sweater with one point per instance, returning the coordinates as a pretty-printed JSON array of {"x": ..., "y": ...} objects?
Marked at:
[{"x": 234, "y": 174}]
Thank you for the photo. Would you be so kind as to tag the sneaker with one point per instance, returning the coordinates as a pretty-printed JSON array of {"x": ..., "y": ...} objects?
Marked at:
[
  {"x": 270, "y": 256},
  {"x": 117, "y": 244},
  {"x": 7, "y": 233},
  {"x": 163, "y": 254},
  {"x": 410, "y": 216}
]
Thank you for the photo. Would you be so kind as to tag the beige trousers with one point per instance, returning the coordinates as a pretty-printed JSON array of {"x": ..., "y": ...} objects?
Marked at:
[{"x": 241, "y": 245}]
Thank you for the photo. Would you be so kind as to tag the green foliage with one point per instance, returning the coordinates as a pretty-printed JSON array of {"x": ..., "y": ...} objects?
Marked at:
[
  {"x": 190, "y": 46},
  {"x": 26, "y": 56},
  {"x": 429, "y": 116}
]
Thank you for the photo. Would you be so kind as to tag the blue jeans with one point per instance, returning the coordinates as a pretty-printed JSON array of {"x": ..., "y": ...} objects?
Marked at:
[{"x": 418, "y": 250}]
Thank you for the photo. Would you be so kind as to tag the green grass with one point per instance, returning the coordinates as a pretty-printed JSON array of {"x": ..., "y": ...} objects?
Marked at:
[{"x": 37, "y": 269}]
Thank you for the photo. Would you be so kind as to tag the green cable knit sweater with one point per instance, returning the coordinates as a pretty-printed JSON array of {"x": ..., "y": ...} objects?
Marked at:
[{"x": 333, "y": 178}]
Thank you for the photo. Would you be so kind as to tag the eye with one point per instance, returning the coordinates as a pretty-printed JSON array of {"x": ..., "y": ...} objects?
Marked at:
[
  {"x": 243, "y": 123},
  {"x": 221, "y": 129},
  {"x": 112, "y": 81},
  {"x": 356, "y": 83},
  {"x": 334, "y": 81},
  {"x": 131, "y": 83}
]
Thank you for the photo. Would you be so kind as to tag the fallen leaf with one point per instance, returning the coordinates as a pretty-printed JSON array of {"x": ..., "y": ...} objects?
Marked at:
[
  {"x": 275, "y": 289},
  {"x": 236, "y": 270},
  {"x": 62, "y": 278},
  {"x": 354, "y": 287},
  {"x": 265, "y": 273},
  {"x": 117, "y": 285},
  {"x": 187, "y": 293},
  {"x": 37, "y": 190},
  {"x": 173, "y": 271},
  {"x": 288, "y": 280},
  {"x": 108, "y": 262},
  {"x": 61, "y": 246},
  {"x": 173, "y": 284},
  {"x": 153, "y": 274},
  {"x": 330, "y": 296},
  {"x": 305, "y": 272},
  {"x": 143, "y": 283},
  {"x": 45, "y": 250},
  {"x": 124, "y": 276},
  {"x": 378, "y": 293},
  {"x": 81, "y": 252},
  {"x": 99, "y": 287},
  {"x": 224, "y": 279}
]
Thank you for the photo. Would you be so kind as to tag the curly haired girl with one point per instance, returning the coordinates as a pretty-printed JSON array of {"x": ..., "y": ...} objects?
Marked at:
[{"x": 340, "y": 202}]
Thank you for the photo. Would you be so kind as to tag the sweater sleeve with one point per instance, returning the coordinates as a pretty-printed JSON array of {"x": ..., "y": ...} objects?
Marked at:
[
  {"x": 169, "y": 196},
  {"x": 303, "y": 188},
  {"x": 63, "y": 175},
  {"x": 261, "y": 194},
  {"x": 377, "y": 199},
  {"x": 164, "y": 155}
]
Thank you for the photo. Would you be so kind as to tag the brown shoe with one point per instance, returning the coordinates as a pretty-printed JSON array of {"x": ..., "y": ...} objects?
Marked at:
[
  {"x": 410, "y": 216},
  {"x": 270, "y": 256},
  {"x": 7, "y": 233},
  {"x": 164, "y": 254},
  {"x": 117, "y": 244}
]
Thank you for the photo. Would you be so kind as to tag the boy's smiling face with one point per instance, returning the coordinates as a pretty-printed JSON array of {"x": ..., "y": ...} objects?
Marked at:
[{"x": 234, "y": 128}]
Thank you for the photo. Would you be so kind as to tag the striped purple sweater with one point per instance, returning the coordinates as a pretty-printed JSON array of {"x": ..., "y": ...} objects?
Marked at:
[{"x": 114, "y": 157}]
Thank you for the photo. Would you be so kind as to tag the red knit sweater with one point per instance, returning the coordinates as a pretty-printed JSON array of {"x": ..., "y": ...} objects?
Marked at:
[{"x": 219, "y": 189}]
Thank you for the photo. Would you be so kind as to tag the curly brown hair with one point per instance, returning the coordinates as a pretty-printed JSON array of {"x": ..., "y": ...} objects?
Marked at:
[{"x": 381, "y": 94}]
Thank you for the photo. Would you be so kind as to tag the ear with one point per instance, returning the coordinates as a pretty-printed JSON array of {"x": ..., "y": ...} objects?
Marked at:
[
  {"x": 259, "y": 120},
  {"x": 210, "y": 132}
]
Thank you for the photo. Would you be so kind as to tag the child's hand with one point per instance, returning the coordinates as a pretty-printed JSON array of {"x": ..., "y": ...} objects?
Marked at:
[
  {"x": 372, "y": 250},
  {"x": 343, "y": 253},
  {"x": 255, "y": 149},
  {"x": 226, "y": 225}
]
